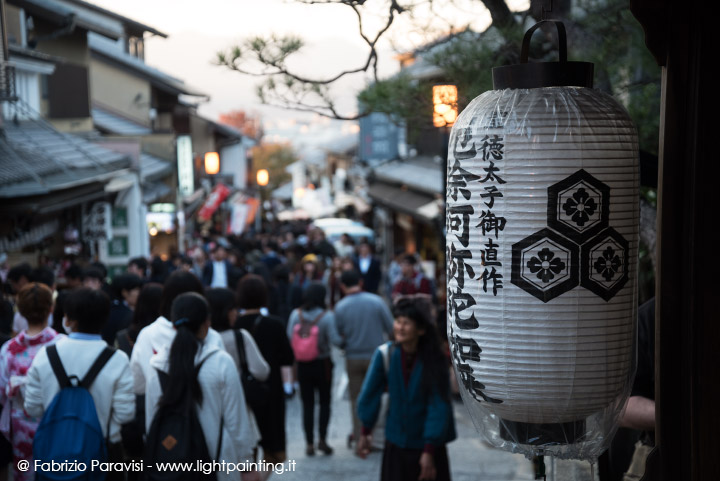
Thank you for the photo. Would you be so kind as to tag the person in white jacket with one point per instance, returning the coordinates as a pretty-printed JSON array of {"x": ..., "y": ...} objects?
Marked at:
[
  {"x": 86, "y": 312},
  {"x": 154, "y": 337},
  {"x": 217, "y": 392}
]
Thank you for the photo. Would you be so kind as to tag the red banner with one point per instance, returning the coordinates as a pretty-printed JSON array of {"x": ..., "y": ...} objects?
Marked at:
[{"x": 217, "y": 196}]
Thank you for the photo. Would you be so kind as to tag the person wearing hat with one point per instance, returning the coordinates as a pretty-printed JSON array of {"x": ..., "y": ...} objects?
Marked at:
[{"x": 309, "y": 272}]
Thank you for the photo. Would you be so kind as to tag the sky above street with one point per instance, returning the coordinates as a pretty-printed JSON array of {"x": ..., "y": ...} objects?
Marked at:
[{"x": 198, "y": 30}]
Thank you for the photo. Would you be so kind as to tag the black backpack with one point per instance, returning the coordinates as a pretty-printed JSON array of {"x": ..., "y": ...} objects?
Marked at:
[
  {"x": 257, "y": 393},
  {"x": 176, "y": 437}
]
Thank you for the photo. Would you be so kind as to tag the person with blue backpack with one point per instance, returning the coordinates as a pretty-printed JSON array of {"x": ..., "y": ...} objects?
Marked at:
[
  {"x": 83, "y": 390},
  {"x": 194, "y": 401},
  {"x": 311, "y": 330}
]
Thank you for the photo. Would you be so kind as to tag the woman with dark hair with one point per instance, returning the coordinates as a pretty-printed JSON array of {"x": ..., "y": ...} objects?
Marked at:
[
  {"x": 35, "y": 303},
  {"x": 158, "y": 270},
  {"x": 311, "y": 330},
  {"x": 420, "y": 420},
  {"x": 269, "y": 334},
  {"x": 238, "y": 342},
  {"x": 161, "y": 332},
  {"x": 309, "y": 271},
  {"x": 223, "y": 315},
  {"x": 280, "y": 293},
  {"x": 207, "y": 375},
  {"x": 147, "y": 309}
]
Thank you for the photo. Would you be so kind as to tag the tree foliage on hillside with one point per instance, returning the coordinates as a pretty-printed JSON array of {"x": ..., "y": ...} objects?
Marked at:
[
  {"x": 275, "y": 158},
  {"x": 247, "y": 124}
]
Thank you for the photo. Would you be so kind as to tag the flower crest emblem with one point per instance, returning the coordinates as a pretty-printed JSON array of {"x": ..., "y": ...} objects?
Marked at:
[
  {"x": 609, "y": 264},
  {"x": 545, "y": 265},
  {"x": 580, "y": 207}
]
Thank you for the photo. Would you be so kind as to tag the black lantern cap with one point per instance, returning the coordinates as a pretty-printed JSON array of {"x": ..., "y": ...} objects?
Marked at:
[{"x": 544, "y": 74}]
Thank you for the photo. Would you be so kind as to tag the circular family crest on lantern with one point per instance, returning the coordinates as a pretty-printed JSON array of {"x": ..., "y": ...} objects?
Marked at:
[{"x": 542, "y": 242}]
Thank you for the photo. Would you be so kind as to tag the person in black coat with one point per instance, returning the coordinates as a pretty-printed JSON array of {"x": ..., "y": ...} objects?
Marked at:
[
  {"x": 269, "y": 334},
  {"x": 125, "y": 288},
  {"x": 369, "y": 267},
  {"x": 219, "y": 271}
]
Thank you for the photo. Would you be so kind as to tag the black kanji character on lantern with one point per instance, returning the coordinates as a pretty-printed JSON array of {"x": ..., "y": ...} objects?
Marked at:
[
  {"x": 489, "y": 255},
  {"x": 467, "y": 349},
  {"x": 492, "y": 193},
  {"x": 497, "y": 119},
  {"x": 473, "y": 386},
  {"x": 458, "y": 302},
  {"x": 459, "y": 221},
  {"x": 492, "y": 174},
  {"x": 458, "y": 265},
  {"x": 458, "y": 179},
  {"x": 496, "y": 279},
  {"x": 464, "y": 147},
  {"x": 492, "y": 146},
  {"x": 489, "y": 222}
]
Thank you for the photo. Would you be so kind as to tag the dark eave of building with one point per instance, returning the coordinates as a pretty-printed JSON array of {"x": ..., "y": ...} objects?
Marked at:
[{"x": 131, "y": 25}]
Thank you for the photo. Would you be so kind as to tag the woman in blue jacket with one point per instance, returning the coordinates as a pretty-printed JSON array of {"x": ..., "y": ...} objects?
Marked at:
[{"x": 420, "y": 420}]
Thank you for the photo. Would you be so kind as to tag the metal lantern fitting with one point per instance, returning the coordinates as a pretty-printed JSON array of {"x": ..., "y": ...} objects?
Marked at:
[
  {"x": 445, "y": 110},
  {"x": 542, "y": 248}
]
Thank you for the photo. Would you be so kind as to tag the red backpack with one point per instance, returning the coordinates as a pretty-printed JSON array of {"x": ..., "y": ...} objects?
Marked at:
[{"x": 305, "y": 338}]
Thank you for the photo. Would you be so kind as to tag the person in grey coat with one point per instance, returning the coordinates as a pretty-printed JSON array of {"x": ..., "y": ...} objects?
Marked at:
[{"x": 364, "y": 321}]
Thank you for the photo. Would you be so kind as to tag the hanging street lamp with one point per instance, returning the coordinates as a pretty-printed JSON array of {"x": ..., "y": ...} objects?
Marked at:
[{"x": 212, "y": 163}]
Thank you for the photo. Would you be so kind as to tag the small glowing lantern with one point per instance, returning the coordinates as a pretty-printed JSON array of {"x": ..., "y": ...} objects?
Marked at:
[
  {"x": 212, "y": 163},
  {"x": 263, "y": 177},
  {"x": 542, "y": 248},
  {"x": 445, "y": 109}
]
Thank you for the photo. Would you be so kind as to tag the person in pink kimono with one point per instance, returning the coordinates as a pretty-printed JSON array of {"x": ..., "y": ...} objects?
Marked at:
[{"x": 35, "y": 303}]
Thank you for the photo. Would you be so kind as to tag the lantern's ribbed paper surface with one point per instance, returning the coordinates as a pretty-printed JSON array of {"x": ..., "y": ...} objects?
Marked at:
[{"x": 542, "y": 245}]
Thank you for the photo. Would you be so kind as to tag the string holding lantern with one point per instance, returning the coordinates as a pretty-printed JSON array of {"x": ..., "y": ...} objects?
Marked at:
[{"x": 542, "y": 246}]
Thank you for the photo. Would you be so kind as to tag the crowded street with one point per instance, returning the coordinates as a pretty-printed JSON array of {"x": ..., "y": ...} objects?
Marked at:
[{"x": 394, "y": 240}]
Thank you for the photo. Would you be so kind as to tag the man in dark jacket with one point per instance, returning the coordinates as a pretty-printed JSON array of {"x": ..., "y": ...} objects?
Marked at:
[
  {"x": 220, "y": 272},
  {"x": 369, "y": 268}
]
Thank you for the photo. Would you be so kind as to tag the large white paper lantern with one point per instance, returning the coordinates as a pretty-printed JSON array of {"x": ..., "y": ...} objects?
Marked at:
[{"x": 542, "y": 245}]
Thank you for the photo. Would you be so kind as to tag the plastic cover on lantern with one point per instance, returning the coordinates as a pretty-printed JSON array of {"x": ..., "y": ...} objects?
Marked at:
[{"x": 542, "y": 246}]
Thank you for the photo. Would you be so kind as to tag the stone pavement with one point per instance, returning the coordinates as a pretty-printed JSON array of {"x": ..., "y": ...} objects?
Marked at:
[{"x": 471, "y": 459}]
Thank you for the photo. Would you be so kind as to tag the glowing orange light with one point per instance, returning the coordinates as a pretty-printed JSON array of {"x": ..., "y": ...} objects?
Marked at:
[
  {"x": 445, "y": 109},
  {"x": 263, "y": 177},
  {"x": 212, "y": 163}
]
